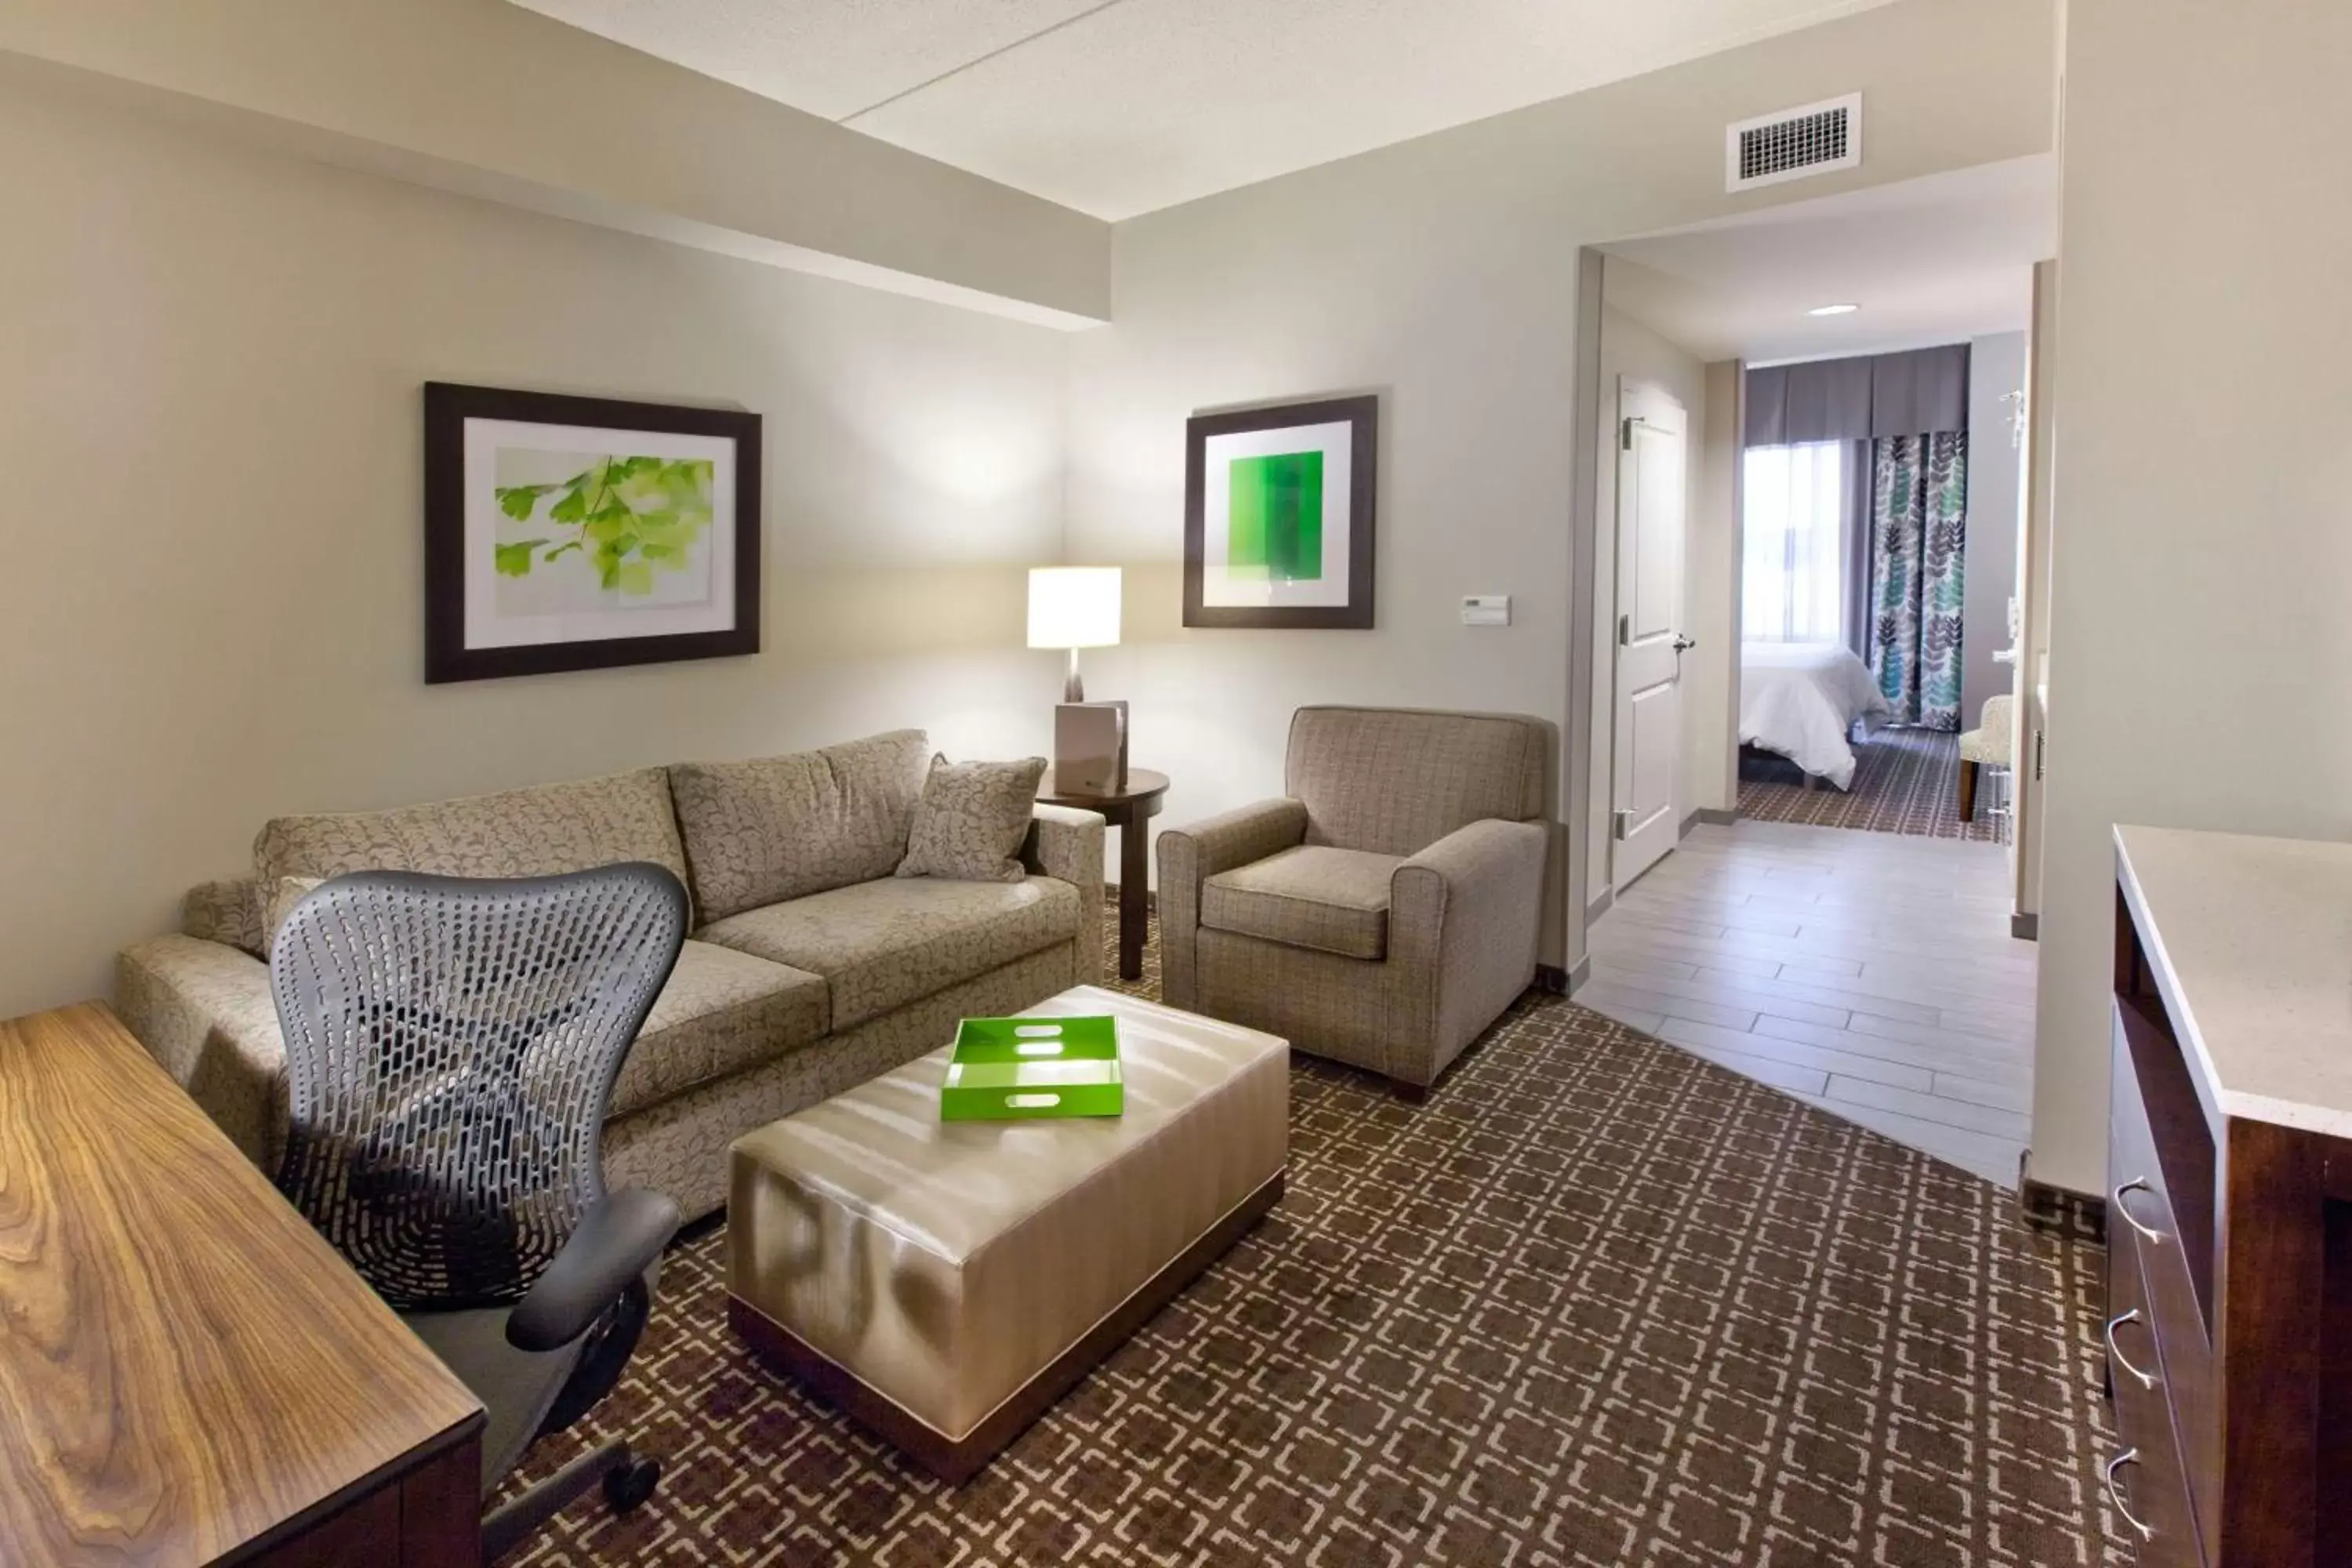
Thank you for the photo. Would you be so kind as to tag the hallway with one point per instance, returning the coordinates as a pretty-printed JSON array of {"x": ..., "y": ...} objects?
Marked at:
[{"x": 1869, "y": 973}]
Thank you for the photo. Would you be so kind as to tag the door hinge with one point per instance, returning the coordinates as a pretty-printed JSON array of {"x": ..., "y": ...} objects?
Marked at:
[
  {"x": 1623, "y": 816},
  {"x": 1625, "y": 631},
  {"x": 1626, "y": 435},
  {"x": 2037, "y": 755}
]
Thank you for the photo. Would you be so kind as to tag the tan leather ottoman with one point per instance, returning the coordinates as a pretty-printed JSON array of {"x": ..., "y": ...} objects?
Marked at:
[{"x": 946, "y": 1282}]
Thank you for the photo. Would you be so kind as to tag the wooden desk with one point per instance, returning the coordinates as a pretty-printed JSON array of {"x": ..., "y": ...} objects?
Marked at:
[
  {"x": 188, "y": 1373},
  {"x": 1131, "y": 811}
]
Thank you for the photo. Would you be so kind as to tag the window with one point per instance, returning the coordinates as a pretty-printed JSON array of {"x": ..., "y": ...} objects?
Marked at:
[{"x": 1793, "y": 580}]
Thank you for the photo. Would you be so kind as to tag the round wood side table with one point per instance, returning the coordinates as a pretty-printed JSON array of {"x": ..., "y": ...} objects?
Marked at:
[{"x": 1131, "y": 811}]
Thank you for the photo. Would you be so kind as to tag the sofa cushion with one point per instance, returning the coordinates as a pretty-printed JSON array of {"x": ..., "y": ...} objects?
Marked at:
[
  {"x": 972, "y": 819},
  {"x": 885, "y": 943},
  {"x": 720, "y": 1011},
  {"x": 538, "y": 832},
  {"x": 758, "y": 832},
  {"x": 1335, "y": 900}
]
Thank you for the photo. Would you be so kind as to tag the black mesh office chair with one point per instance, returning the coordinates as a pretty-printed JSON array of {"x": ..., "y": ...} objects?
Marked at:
[{"x": 450, "y": 1047}]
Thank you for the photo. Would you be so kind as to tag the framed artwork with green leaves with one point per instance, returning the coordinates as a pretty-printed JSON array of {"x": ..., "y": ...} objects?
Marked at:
[
  {"x": 582, "y": 533},
  {"x": 1278, "y": 515}
]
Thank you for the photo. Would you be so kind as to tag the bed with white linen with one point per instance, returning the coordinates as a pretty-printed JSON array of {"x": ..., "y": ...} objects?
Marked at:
[{"x": 1802, "y": 699}]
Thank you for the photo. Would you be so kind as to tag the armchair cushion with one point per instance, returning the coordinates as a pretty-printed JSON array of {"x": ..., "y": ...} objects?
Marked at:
[{"x": 1335, "y": 900}]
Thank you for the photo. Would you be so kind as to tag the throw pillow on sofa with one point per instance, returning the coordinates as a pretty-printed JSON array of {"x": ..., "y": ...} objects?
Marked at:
[{"x": 971, "y": 820}]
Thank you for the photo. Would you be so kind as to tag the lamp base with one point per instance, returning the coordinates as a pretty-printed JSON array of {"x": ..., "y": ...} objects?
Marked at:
[
  {"x": 1073, "y": 688},
  {"x": 1090, "y": 748}
]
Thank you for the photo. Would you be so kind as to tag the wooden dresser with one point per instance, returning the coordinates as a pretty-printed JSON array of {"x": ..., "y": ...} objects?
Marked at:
[
  {"x": 188, "y": 1373},
  {"x": 2229, "y": 1202}
]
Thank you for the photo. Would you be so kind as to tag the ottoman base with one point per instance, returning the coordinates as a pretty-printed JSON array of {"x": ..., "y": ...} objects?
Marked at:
[{"x": 957, "y": 1459}]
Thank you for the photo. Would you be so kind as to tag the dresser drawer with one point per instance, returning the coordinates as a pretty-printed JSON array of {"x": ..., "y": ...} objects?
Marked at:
[
  {"x": 2142, "y": 1221},
  {"x": 2146, "y": 1484}
]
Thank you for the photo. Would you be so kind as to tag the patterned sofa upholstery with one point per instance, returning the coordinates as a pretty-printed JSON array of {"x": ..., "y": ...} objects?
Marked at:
[
  {"x": 1384, "y": 911},
  {"x": 811, "y": 969}
]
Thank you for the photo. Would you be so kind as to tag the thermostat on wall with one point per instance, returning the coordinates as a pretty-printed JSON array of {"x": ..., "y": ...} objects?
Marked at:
[{"x": 1486, "y": 610}]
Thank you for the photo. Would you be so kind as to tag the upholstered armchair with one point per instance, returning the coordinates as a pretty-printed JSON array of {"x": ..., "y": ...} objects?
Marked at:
[{"x": 1388, "y": 908}]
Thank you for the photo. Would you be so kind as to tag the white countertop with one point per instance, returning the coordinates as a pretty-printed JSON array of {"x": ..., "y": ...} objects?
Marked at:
[{"x": 2251, "y": 942}]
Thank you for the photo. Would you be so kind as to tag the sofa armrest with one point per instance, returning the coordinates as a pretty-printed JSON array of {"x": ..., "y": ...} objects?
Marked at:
[
  {"x": 1066, "y": 843},
  {"x": 1468, "y": 912},
  {"x": 1190, "y": 856},
  {"x": 229, "y": 913},
  {"x": 205, "y": 1010}
]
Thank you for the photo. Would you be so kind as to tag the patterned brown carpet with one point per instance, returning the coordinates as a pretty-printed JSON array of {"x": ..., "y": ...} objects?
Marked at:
[
  {"x": 1597, "y": 1303},
  {"x": 1905, "y": 780}
]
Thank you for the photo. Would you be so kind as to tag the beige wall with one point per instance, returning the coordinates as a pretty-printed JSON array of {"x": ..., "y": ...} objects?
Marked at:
[
  {"x": 211, "y": 410},
  {"x": 485, "y": 97},
  {"x": 1631, "y": 350},
  {"x": 1442, "y": 274},
  {"x": 2200, "y": 655}
]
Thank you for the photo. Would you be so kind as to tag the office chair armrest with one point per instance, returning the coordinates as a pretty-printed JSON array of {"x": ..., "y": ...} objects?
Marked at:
[{"x": 616, "y": 1241}]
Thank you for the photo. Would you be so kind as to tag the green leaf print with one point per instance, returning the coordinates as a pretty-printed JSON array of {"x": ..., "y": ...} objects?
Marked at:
[{"x": 631, "y": 518}]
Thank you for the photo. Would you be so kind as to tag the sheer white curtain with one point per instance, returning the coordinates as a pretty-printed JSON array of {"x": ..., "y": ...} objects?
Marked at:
[{"x": 1793, "y": 515}]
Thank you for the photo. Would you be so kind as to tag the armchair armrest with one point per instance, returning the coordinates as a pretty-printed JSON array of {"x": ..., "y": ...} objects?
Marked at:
[
  {"x": 1468, "y": 912},
  {"x": 616, "y": 1241},
  {"x": 1199, "y": 850},
  {"x": 1066, "y": 843},
  {"x": 1190, "y": 856}
]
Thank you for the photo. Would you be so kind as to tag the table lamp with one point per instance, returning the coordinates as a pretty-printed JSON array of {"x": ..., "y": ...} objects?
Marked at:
[
  {"x": 1073, "y": 608},
  {"x": 1076, "y": 608}
]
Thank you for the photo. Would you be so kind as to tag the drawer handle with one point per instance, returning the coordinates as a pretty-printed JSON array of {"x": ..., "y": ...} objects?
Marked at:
[
  {"x": 2149, "y": 1234},
  {"x": 2114, "y": 1352},
  {"x": 2129, "y": 1457}
]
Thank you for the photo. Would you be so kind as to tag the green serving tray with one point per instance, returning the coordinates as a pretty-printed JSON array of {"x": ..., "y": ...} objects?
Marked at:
[{"x": 1018, "y": 1069}]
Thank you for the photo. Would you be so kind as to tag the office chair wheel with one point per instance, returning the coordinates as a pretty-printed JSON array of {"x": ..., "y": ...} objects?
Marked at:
[{"x": 627, "y": 1487}]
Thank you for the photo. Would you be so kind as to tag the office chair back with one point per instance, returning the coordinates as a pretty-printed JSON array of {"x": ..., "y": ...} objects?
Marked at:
[{"x": 450, "y": 1050}]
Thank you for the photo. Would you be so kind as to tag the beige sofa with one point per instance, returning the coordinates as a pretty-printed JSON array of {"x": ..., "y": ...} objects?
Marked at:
[
  {"x": 811, "y": 968},
  {"x": 1388, "y": 908}
]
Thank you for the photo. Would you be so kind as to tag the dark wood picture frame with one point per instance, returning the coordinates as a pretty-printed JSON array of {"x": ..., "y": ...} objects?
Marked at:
[
  {"x": 447, "y": 408},
  {"x": 1362, "y": 416}
]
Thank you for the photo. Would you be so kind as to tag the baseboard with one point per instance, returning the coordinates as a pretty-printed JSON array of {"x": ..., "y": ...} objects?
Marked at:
[
  {"x": 2025, "y": 928},
  {"x": 1600, "y": 906},
  {"x": 1580, "y": 974},
  {"x": 1716, "y": 816},
  {"x": 1551, "y": 979},
  {"x": 2060, "y": 1211}
]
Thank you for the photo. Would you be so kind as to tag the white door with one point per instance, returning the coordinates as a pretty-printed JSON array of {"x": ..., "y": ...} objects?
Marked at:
[{"x": 1650, "y": 475}]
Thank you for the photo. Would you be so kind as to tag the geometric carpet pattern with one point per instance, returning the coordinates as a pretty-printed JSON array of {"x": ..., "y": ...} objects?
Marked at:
[
  {"x": 1905, "y": 780},
  {"x": 1595, "y": 1302}
]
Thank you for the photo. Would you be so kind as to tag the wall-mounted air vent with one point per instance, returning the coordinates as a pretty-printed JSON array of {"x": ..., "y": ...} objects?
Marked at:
[{"x": 1793, "y": 144}]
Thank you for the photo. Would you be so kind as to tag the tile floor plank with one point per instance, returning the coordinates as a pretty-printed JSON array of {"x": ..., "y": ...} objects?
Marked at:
[{"x": 1870, "y": 975}]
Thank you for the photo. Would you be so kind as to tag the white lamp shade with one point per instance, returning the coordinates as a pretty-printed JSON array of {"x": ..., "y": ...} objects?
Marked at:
[{"x": 1073, "y": 606}]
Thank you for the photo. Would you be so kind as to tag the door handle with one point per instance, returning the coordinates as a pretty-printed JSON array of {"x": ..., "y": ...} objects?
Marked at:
[{"x": 1683, "y": 644}]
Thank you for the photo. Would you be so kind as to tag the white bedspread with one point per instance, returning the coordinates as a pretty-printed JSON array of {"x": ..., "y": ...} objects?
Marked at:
[{"x": 1802, "y": 699}]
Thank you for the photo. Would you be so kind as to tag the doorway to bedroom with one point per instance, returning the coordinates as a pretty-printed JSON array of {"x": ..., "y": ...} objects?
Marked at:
[
  {"x": 1880, "y": 496},
  {"x": 1830, "y": 910}
]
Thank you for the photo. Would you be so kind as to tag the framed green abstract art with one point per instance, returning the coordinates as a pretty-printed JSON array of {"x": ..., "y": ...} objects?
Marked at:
[
  {"x": 1278, "y": 516},
  {"x": 581, "y": 534}
]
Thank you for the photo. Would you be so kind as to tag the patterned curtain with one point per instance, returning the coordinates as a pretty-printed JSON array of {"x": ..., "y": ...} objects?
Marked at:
[{"x": 1918, "y": 524}]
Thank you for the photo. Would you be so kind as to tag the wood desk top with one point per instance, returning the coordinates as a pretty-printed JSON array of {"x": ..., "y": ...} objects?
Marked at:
[{"x": 185, "y": 1365}]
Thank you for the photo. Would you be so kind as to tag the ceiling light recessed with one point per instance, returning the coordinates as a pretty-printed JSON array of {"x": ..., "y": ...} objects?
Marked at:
[{"x": 1833, "y": 309}]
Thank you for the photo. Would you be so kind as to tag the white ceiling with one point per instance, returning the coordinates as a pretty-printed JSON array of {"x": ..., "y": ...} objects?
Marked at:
[
  {"x": 1930, "y": 261},
  {"x": 1120, "y": 107}
]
